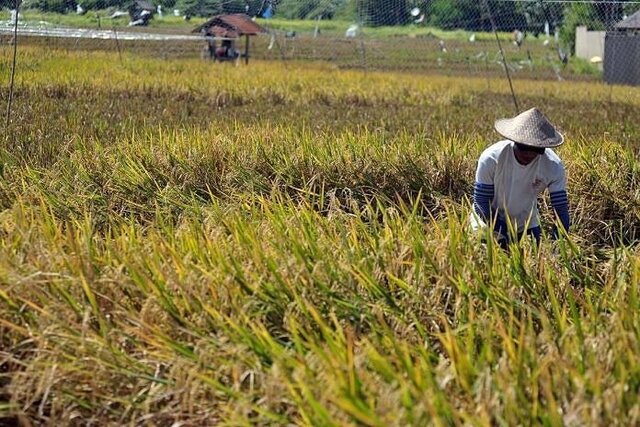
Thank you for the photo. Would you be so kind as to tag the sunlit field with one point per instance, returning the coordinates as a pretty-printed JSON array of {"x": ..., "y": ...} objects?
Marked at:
[
  {"x": 186, "y": 243},
  {"x": 418, "y": 53}
]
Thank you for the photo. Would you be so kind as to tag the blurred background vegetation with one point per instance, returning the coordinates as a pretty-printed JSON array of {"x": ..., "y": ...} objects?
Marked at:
[{"x": 530, "y": 16}]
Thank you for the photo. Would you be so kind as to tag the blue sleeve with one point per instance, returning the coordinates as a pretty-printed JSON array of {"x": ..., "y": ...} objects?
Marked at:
[
  {"x": 482, "y": 197},
  {"x": 560, "y": 204}
]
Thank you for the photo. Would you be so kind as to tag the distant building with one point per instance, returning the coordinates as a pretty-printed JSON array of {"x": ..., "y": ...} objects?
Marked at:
[
  {"x": 622, "y": 52},
  {"x": 589, "y": 44},
  {"x": 228, "y": 29}
]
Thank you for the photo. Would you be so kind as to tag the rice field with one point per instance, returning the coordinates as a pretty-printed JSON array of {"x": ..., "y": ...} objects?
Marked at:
[
  {"x": 190, "y": 244},
  {"x": 448, "y": 53}
]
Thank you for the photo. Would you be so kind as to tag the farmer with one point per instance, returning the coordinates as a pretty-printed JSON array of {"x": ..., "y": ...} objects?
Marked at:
[
  {"x": 513, "y": 172},
  {"x": 227, "y": 50}
]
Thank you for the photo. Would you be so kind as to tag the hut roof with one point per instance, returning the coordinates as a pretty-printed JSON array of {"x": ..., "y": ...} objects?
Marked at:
[
  {"x": 631, "y": 23},
  {"x": 232, "y": 25}
]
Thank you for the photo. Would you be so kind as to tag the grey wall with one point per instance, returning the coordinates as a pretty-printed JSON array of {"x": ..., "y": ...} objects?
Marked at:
[
  {"x": 622, "y": 58},
  {"x": 589, "y": 43}
]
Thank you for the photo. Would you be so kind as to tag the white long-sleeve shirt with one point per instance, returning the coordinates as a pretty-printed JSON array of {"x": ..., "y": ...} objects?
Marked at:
[{"x": 515, "y": 186}]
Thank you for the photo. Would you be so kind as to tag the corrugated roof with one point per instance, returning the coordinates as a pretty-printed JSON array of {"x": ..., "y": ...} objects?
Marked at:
[
  {"x": 232, "y": 25},
  {"x": 631, "y": 23}
]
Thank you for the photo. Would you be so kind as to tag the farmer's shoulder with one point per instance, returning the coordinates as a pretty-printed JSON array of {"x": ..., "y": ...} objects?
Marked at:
[
  {"x": 552, "y": 160},
  {"x": 492, "y": 153}
]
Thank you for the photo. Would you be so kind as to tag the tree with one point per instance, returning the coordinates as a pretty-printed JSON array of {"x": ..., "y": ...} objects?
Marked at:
[
  {"x": 599, "y": 15},
  {"x": 297, "y": 9},
  {"x": 383, "y": 12},
  {"x": 8, "y": 4},
  {"x": 166, "y": 4},
  {"x": 538, "y": 14},
  {"x": 310, "y": 9},
  {"x": 255, "y": 7},
  {"x": 202, "y": 8},
  {"x": 234, "y": 6},
  {"x": 345, "y": 11},
  {"x": 443, "y": 14},
  {"x": 473, "y": 15},
  {"x": 506, "y": 15},
  {"x": 102, "y": 4},
  {"x": 58, "y": 6},
  {"x": 206, "y": 8},
  {"x": 608, "y": 13}
]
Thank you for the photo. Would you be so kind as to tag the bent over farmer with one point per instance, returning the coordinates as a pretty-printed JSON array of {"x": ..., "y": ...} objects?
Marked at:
[{"x": 512, "y": 173}]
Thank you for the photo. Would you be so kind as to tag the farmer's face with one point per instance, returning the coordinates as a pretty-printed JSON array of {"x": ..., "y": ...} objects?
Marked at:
[{"x": 524, "y": 157}]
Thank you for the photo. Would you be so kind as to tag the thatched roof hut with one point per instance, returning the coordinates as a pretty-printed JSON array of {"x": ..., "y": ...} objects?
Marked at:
[{"x": 231, "y": 26}]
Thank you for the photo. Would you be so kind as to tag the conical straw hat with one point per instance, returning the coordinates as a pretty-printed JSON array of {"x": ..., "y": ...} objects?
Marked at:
[{"x": 530, "y": 128}]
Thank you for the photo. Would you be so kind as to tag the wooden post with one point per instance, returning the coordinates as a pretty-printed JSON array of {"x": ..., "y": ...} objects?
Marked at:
[{"x": 246, "y": 49}]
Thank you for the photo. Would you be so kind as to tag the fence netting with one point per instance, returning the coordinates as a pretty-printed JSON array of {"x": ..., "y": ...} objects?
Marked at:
[{"x": 590, "y": 40}]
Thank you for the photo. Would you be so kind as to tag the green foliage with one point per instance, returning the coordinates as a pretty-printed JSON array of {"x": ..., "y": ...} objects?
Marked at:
[
  {"x": 383, "y": 12},
  {"x": 102, "y": 4},
  {"x": 442, "y": 15},
  {"x": 167, "y": 4},
  {"x": 201, "y": 8},
  {"x": 292, "y": 9},
  {"x": 58, "y": 6},
  {"x": 234, "y": 6},
  {"x": 577, "y": 15},
  {"x": 310, "y": 9},
  {"x": 581, "y": 66},
  {"x": 207, "y": 8},
  {"x": 595, "y": 16},
  {"x": 345, "y": 10},
  {"x": 608, "y": 13},
  {"x": 473, "y": 15},
  {"x": 536, "y": 14},
  {"x": 469, "y": 15}
]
